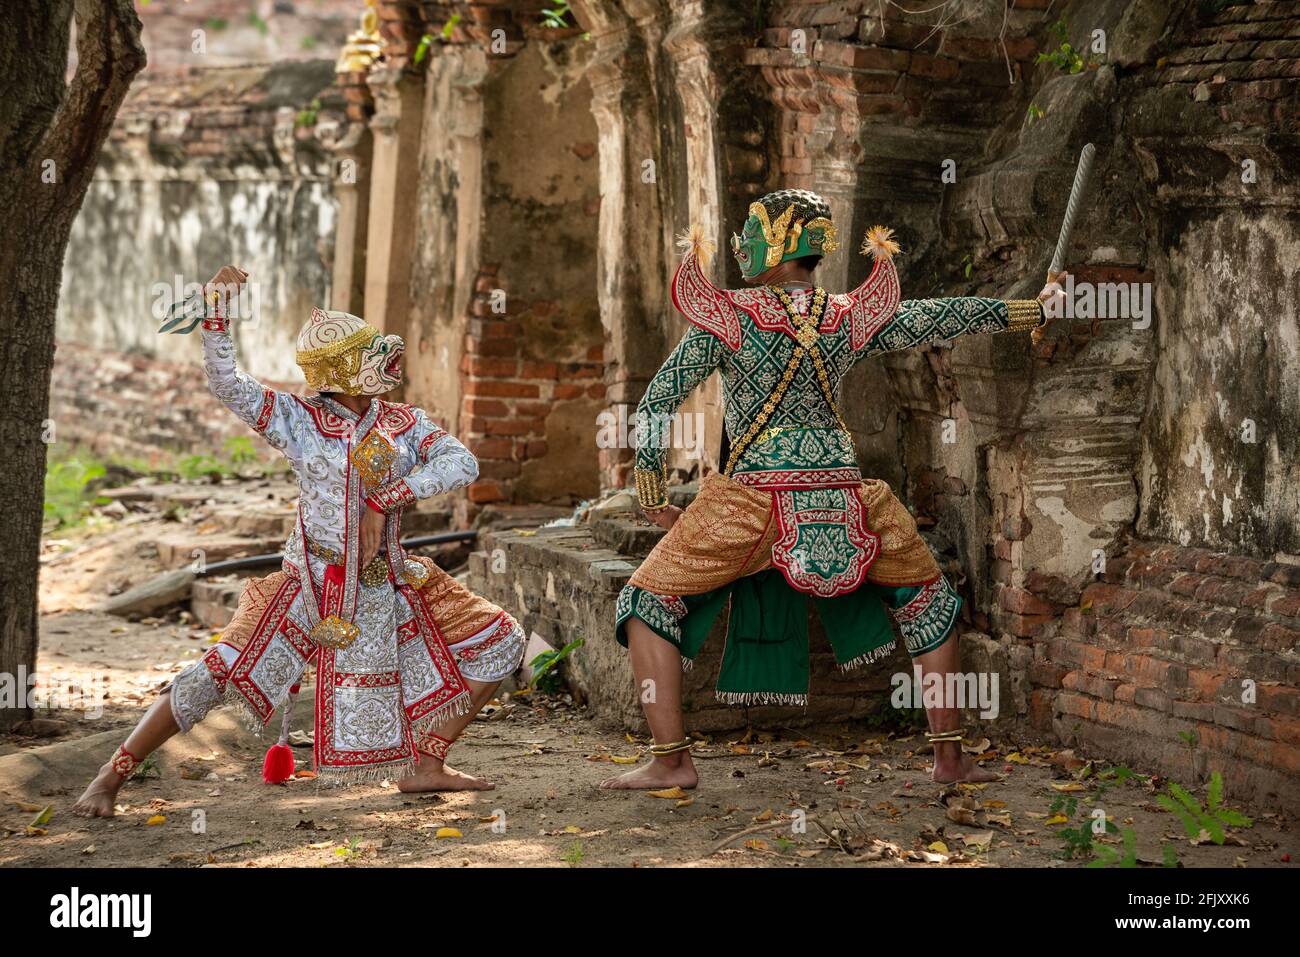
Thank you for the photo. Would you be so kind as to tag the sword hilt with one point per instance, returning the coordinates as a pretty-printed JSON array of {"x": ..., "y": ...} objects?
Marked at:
[{"x": 1082, "y": 174}]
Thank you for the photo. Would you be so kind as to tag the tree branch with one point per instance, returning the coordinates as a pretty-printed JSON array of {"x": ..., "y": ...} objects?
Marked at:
[{"x": 109, "y": 55}]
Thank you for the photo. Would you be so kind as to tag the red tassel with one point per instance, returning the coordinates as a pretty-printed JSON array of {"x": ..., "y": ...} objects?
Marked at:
[{"x": 278, "y": 766}]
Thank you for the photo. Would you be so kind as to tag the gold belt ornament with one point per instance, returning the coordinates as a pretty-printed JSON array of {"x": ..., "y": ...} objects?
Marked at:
[{"x": 374, "y": 573}]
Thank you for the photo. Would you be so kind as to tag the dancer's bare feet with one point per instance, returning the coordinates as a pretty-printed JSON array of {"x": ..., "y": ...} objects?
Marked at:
[
  {"x": 674, "y": 770},
  {"x": 436, "y": 776},
  {"x": 98, "y": 798},
  {"x": 952, "y": 765}
]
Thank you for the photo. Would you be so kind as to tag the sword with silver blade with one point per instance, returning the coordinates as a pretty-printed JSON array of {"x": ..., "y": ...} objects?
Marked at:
[{"x": 1082, "y": 173}]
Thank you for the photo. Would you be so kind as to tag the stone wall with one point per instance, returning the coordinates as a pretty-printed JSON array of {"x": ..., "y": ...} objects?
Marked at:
[
  {"x": 133, "y": 407},
  {"x": 1043, "y": 477},
  {"x": 205, "y": 167},
  {"x": 490, "y": 273},
  {"x": 236, "y": 32}
]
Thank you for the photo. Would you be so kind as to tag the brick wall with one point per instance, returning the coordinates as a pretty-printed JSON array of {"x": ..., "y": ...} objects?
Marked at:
[
  {"x": 1155, "y": 663},
  {"x": 506, "y": 396}
]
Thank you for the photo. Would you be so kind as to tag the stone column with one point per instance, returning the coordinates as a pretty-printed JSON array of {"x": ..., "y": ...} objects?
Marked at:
[
  {"x": 352, "y": 161},
  {"x": 631, "y": 267},
  {"x": 390, "y": 230}
]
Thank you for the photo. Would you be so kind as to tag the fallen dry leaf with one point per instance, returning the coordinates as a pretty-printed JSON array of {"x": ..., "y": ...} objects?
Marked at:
[{"x": 673, "y": 793}]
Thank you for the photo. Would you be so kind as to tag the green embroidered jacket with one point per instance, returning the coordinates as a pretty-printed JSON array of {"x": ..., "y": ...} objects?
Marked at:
[{"x": 780, "y": 392}]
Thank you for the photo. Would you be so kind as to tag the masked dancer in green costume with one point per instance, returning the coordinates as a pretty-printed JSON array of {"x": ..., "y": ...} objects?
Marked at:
[{"x": 790, "y": 517}]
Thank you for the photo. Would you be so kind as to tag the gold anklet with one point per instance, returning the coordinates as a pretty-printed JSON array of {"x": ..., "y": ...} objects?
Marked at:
[
  {"x": 940, "y": 737},
  {"x": 659, "y": 750}
]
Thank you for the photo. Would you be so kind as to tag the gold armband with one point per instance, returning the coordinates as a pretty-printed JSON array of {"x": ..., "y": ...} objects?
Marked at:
[
  {"x": 1024, "y": 314},
  {"x": 650, "y": 489}
]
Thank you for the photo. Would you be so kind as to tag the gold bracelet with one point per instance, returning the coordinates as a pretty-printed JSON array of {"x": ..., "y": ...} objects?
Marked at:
[
  {"x": 660, "y": 749},
  {"x": 1024, "y": 314},
  {"x": 650, "y": 490}
]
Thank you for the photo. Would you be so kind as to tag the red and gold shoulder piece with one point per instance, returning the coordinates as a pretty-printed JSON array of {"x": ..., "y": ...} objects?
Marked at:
[
  {"x": 868, "y": 307},
  {"x": 327, "y": 423},
  {"x": 704, "y": 304},
  {"x": 395, "y": 417}
]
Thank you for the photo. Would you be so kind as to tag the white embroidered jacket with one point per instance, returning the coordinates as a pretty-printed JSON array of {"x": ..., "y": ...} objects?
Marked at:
[{"x": 320, "y": 438}]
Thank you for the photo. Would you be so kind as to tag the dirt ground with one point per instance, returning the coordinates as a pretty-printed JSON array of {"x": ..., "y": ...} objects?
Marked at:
[{"x": 841, "y": 795}]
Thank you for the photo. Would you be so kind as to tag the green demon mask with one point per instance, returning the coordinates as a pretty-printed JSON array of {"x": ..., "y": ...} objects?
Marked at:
[{"x": 787, "y": 224}]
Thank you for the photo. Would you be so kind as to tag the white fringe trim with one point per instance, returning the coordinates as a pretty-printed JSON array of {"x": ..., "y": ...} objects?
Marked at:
[
  {"x": 249, "y": 718},
  {"x": 455, "y": 708},
  {"x": 688, "y": 664},
  {"x": 751, "y": 698},
  {"x": 369, "y": 774},
  {"x": 883, "y": 651}
]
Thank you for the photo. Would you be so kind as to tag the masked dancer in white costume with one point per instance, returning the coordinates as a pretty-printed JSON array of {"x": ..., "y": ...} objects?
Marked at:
[{"x": 404, "y": 655}]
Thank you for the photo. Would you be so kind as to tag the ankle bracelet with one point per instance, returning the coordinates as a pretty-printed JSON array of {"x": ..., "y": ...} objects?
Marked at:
[
  {"x": 658, "y": 750},
  {"x": 940, "y": 737},
  {"x": 435, "y": 746},
  {"x": 123, "y": 762}
]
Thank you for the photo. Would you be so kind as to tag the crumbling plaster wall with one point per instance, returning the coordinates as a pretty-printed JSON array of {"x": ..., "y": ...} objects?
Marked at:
[{"x": 206, "y": 167}]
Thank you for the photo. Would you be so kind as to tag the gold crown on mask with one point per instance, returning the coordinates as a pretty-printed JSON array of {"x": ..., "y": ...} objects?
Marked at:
[{"x": 329, "y": 349}]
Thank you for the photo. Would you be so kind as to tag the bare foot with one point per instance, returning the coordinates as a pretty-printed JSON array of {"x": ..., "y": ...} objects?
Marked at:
[
  {"x": 97, "y": 800},
  {"x": 427, "y": 777},
  {"x": 659, "y": 773},
  {"x": 950, "y": 768}
]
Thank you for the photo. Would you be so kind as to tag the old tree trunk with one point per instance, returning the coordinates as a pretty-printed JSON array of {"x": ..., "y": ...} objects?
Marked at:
[{"x": 51, "y": 131}]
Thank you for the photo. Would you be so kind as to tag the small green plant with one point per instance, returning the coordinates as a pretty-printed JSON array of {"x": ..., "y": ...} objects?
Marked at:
[
  {"x": 1065, "y": 57},
  {"x": 257, "y": 23},
  {"x": 1034, "y": 113},
  {"x": 546, "y": 675},
  {"x": 308, "y": 116},
  {"x": 349, "y": 850},
  {"x": 148, "y": 768},
  {"x": 968, "y": 265},
  {"x": 240, "y": 450},
  {"x": 68, "y": 498},
  {"x": 1107, "y": 856},
  {"x": 195, "y": 467},
  {"x": 1077, "y": 840},
  {"x": 1210, "y": 819},
  {"x": 308, "y": 42},
  {"x": 215, "y": 23},
  {"x": 556, "y": 16},
  {"x": 575, "y": 854}
]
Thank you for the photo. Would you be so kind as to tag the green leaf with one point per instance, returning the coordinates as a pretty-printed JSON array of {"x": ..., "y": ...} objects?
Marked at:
[
  {"x": 1191, "y": 823},
  {"x": 1169, "y": 855},
  {"x": 1233, "y": 818},
  {"x": 1106, "y": 856},
  {"x": 1211, "y": 824},
  {"x": 1186, "y": 799},
  {"x": 422, "y": 48},
  {"x": 1214, "y": 794}
]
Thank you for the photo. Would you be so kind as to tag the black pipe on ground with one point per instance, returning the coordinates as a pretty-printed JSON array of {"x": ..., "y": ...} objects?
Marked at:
[{"x": 257, "y": 561}]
